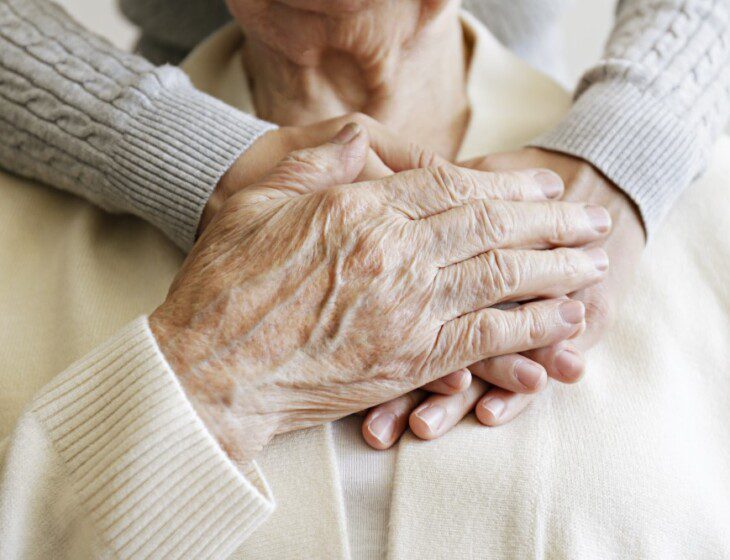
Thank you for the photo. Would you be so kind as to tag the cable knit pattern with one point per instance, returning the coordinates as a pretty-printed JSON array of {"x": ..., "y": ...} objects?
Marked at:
[
  {"x": 647, "y": 114},
  {"x": 83, "y": 116}
]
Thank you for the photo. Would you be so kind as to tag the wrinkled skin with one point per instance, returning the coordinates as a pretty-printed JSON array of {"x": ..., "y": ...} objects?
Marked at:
[
  {"x": 497, "y": 394},
  {"x": 388, "y": 153},
  {"x": 624, "y": 244},
  {"x": 391, "y": 59},
  {"x": 308, "y": 298}
]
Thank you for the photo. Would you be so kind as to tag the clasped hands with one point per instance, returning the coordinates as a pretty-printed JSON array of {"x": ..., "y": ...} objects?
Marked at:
[{"x": 310, "y": 296}]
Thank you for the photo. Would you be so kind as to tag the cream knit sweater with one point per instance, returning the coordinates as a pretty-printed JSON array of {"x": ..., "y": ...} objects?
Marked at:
[
  {"x": 108, "y": 460},
  {"x": 80, "y": 115}
]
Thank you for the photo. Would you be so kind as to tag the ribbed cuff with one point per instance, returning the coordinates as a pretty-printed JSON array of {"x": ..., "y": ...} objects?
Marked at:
[
  {"x": 154, "y": 481},
  {"x": 635, "y": 139},
  {"x": 174, "y": 151}
]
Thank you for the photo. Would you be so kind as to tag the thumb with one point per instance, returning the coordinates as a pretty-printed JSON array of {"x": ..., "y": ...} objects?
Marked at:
[
  {"x": 401, "y": 155},
  {"x": 336, "y": 162},
  {"x": 502, "y": 161}
]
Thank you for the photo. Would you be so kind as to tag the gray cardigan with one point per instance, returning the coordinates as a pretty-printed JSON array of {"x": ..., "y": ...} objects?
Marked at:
[{"x": 81, "y": 115}]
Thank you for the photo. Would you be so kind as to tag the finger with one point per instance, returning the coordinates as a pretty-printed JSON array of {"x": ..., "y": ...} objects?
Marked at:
[
  {"x": 600, "y": 309},
  {"x": 385, "y": 423},
  {"x": 338, "y": 161},
  {"x": 395, "y": 152},
  {"x": 439, "y": 413},
  {"x": 494, "y": 332},
  {"x": 455, "y": 382},
  {"x": 513, "y": 275},
  {"x": 500, "y": 161},
  {"x": 498, "y": 406},
  {"x": 513, "y": 372},
  {"x": 482, "y": 225},
  {"x": 563, "y": 361},
  {"x": 399, "y": 154},
  {"x": 425, "y": 192},
  {"x": 374, "y": 168}
]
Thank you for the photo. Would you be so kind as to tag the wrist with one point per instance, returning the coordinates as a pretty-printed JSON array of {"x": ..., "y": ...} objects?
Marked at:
[
  {"x": 216, "y": 200},
  {"x": 236, "y": 416},
  {"x": 248, "y": 168}
]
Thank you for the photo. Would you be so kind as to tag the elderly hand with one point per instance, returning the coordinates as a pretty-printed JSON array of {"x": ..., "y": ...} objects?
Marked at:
[
  {"x": 387, "y": 153},
  {"x": 303, "y": 302},
  {"x": 272, "y": 147},
  {"x": 504, "y": 386},
  {"x": 624, "y": 245}
]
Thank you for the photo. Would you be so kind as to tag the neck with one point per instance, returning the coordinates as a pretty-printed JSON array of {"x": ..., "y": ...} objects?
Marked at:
[{"x": 405, "y": 77}]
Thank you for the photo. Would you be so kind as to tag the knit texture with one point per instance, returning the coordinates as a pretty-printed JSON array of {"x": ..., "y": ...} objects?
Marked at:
[
  {"x": 154, "y": 482},
  {"x": 631, "y": 463},
  {"x": 80, "y": 115},
  {"x": 648, "y": 113}
]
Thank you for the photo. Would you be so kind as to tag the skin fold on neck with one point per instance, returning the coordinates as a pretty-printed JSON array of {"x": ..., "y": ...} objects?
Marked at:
[{"x": 402, "y": 62}]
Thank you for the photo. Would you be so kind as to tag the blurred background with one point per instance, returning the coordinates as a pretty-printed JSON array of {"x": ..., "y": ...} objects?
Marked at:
[{"x": 586, "y": 27}]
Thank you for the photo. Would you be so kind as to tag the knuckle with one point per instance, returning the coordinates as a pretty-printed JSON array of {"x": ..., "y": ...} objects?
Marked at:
[
  {"x": 491, "y": 334},
  {"x": 537, "y": 328},
  {"x": 304, "y": 161},
  {"x": 568, "y": 265},
  {"x": 458, "y": 185},
  {"x": 504, "y": 183},
  {"x": 369, "y": 255},
  {"x": 444, "y": 180},
  {"x": 495, "y": 223},
  {"x": 599, "y": 309},
  {"x": 504, "y": 273},
  {"x": 421, "y": 157},
  {"x": 559, "y": 223}
]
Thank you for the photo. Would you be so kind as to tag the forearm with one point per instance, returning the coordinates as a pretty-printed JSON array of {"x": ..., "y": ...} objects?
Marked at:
[
  {"x": 112, "y": 448},
  {"x": 80, "y": 115},
  {"x": 648, "y": 112}
]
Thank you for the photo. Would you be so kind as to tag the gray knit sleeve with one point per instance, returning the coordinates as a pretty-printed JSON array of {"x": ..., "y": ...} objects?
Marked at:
[
  {"x": 648, "y": 112},
  {"x": 80, "y": 115}
]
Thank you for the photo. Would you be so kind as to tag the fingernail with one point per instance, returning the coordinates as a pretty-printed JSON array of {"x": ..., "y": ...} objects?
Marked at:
[
  {"x": 550, "y": 183},
  {"x": 456, "y": 380},
  {"x": 569, "y": 363},
  {"x": 572, "y": 312},
  {"x": 432, "y": 415},
  {"x": 347, "y": 134},
  {"x": 528, "y": 374},
  {"x": 599, "y": 258},
  {"x": 599, "y": 217},
  {"x": 495, "y": 406},
  {"x": 382, "y": 426}
]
